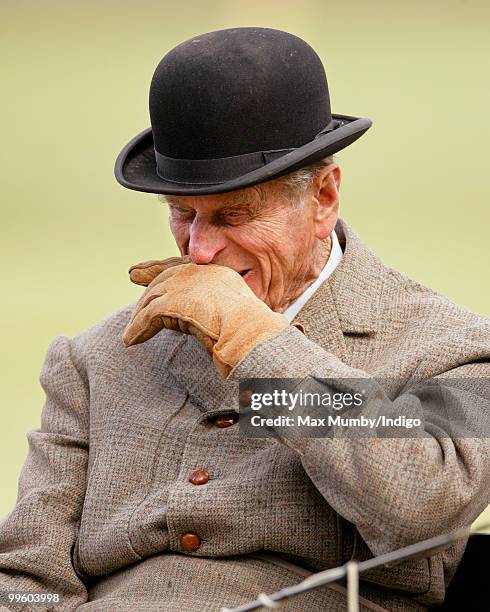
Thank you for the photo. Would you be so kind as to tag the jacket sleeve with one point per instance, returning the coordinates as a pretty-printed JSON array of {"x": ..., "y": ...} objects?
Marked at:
[
  {"x": 395, "y": 490},
  {"x": 37, "y": 537}
]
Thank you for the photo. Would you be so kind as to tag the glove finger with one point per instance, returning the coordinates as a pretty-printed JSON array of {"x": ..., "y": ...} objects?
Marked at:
[
  {"x": 172, "y": 323},
  {"x": 157, "y": 288},
  {"x": 207, "y": 342},
  {"x": 152, "y": 293},
  {"x": 148, "y": 321},
  {"x": 145, "y": 272},
  {"x": 137, "y": 332}
]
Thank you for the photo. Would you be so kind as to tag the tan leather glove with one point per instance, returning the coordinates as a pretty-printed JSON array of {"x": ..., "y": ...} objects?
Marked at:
[
  {"x": 211, "y": 302},
  {"x": 143, "y": 273}
]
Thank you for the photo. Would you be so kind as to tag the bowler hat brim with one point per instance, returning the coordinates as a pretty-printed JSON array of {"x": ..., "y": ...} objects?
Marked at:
[{"x": 136, "y": 165}]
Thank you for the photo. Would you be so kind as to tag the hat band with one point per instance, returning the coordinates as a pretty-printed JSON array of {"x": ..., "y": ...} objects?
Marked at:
[
  {"x": 213, "y": 171},
  {"x": 219, "y": 170}
]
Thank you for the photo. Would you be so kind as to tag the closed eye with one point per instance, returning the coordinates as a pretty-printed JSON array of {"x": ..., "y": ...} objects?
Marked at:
[
  {"x": 182, "y": 211},
  {"x": 235, "y": 216}
]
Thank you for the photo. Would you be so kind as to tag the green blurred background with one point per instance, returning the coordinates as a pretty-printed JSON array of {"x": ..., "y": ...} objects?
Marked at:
[{"x": 75, "y": 81}]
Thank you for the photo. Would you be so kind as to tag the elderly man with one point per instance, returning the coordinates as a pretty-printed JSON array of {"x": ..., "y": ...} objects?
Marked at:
[{"x": 140, "y": 491}]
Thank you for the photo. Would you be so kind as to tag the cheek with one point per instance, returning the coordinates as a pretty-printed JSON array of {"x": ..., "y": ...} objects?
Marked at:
[
  {"x": 263, "y": 240},
  {"x": 284, "y": 249},
  {"x": 180, "y": 231}
]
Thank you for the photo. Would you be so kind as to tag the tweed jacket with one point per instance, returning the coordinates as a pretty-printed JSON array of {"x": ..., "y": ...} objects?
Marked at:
[{"x": 104, "y": 496}]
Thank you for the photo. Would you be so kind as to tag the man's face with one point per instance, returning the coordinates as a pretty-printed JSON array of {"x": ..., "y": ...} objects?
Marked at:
[{"x": 276, "y": 247}]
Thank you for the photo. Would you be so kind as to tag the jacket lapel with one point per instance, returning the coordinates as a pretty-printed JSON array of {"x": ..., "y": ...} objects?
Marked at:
[
  {"x": 347, "y": 303},
  {"x": 194, "y": 371}
]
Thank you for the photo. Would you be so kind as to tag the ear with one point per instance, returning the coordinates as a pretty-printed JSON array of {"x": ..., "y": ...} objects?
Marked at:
[{"x": 326, "y": 200}]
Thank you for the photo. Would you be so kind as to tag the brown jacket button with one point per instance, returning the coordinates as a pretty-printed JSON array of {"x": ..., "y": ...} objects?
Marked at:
[
  {"x": 226, "y": 420},
  {"x": 190, "y": 541},
  {"x": 199, "y": 477}
]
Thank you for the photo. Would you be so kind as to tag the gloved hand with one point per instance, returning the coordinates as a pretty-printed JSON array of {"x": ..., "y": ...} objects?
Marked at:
[
  {"x": 143, "y": 273},
  {"x": 211, "y": 302}
]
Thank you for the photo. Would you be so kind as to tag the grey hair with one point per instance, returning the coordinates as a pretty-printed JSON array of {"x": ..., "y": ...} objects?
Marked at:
[
  {"x": 292, "y": 187},
  {"x": 295, "y": 184}
]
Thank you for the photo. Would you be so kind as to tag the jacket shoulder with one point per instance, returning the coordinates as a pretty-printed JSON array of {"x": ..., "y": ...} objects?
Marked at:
[
  {"x": 434, "y": 331},
  {"x": 372, "y": 295},
  {"x": 419, "y": 302}
]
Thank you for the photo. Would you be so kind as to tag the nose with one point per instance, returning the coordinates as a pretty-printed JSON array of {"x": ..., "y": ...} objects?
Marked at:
[{"x": 205, "y": 241}]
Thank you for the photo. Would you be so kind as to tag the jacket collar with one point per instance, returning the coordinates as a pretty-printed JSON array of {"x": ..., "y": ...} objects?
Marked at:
[{"x": 349, "y": 298}]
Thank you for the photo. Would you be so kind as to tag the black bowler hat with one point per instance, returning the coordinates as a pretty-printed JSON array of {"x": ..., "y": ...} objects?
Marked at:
[{"x": 233, "y": 108}]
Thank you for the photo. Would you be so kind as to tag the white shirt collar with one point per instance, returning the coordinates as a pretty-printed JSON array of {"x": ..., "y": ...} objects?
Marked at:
[{"x": 332, "y": 262}]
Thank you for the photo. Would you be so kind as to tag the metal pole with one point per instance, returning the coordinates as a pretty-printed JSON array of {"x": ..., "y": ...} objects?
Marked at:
[{"x": 420, "y": 549}]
